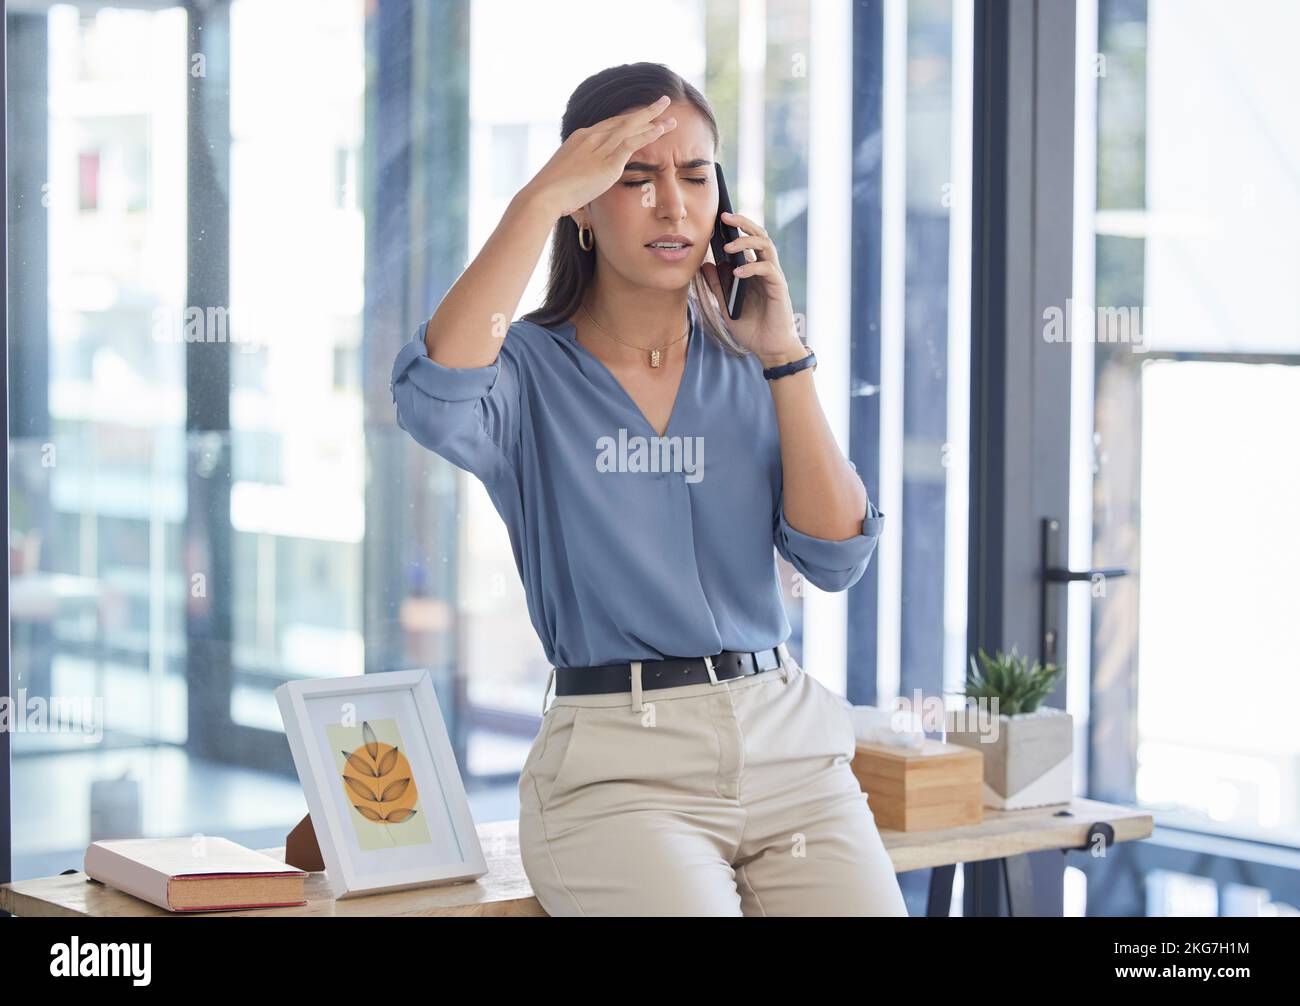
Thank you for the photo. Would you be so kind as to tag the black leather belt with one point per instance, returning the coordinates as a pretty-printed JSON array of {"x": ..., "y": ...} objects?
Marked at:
[{"x": 670, "y": 672}]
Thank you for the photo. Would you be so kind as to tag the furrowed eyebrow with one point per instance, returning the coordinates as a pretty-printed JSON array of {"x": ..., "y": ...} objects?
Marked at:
[{"x": 699, "y": 162}]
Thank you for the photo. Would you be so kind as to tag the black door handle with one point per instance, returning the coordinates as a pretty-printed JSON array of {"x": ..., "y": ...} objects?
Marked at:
[
  {"x": 1053, "y": 571},
  {"x": 1056, "y": 574}
]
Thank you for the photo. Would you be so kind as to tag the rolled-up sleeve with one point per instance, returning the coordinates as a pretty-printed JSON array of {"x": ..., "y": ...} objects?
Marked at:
[
  {"x": 827, "y": 563},
  {"x": 468, "y": 415}
]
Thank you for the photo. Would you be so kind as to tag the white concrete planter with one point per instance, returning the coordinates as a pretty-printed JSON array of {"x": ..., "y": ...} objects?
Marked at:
[{"x": 1028, "y": 757}]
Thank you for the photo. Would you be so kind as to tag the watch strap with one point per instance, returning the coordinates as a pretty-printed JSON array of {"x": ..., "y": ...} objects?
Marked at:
[{"x": 786, "y": 369}]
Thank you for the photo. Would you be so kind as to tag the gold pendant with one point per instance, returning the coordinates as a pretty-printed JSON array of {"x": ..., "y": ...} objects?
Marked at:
[{"x": 654, "y": 357}]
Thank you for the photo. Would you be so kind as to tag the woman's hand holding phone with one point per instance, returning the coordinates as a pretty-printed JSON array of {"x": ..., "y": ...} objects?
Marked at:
[
  {"x": 766, "y": 326},
  {"x": 592, "y": 158}
]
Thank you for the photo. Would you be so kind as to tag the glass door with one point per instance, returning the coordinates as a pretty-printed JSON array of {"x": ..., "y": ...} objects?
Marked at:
[{"x": 1186, "y": 405}]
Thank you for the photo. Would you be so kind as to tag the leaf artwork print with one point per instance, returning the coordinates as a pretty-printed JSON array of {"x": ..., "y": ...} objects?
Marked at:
[{"x": 377, "y": 779}]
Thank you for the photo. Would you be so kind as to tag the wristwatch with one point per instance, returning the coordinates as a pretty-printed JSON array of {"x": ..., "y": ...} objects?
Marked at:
[{"x": 786, "y": 369}]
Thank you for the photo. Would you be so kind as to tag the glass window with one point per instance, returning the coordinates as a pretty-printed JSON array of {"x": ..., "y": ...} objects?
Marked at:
[
  {"x": 219, "y": 249},
  {"x": 1187, "y": 396}
]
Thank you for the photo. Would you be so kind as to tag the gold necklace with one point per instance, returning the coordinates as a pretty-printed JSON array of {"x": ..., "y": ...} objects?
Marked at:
[{"x": 654, "y": 352}]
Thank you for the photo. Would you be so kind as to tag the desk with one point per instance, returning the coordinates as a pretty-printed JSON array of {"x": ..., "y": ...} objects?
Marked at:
[{"x": 504, "y": 889}]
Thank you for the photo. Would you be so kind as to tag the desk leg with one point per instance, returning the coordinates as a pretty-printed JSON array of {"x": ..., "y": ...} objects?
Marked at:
[
  {"x": 1019, "y": 877},
  {"x": 939, "y": 903},
  {"x": 1030, "y": 884}
]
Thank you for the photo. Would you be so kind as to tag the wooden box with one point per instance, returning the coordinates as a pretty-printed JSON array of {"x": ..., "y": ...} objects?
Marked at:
[{"x": 937, "y": 785}]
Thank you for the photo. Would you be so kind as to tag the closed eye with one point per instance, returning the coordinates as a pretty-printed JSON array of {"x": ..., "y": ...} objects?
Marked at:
[{"x": 637, "y": 185}]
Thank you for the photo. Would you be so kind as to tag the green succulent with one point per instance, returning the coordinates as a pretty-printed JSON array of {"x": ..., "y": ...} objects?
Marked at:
[{"x": 1018, "y": 687}]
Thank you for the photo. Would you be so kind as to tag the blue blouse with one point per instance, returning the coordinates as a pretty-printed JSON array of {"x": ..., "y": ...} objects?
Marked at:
[{"x": 625, "y": 549}]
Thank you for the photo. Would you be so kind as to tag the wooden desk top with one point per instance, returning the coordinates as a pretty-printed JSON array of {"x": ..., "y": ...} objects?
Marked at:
[{"x": 504, "y": 890}]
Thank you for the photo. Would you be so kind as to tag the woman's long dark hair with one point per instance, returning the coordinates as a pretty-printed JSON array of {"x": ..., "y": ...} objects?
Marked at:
[{"x": 607, "y": 93}]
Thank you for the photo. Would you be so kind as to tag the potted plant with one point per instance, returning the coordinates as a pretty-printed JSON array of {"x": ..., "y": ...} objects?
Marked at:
[{"x": 1027, "y": 747}]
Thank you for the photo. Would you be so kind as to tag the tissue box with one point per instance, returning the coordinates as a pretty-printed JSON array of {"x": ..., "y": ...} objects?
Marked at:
[{"x": 919, "y": 789}]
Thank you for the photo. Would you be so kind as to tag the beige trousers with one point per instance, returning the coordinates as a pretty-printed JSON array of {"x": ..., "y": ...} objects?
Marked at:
[{"x": 734, "y": 798}]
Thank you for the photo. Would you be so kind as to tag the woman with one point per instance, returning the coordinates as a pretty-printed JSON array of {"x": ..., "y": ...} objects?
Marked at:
[{"x": 687, "y": 765}]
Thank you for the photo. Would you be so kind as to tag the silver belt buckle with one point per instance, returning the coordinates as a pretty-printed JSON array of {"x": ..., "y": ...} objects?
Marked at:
[{"x": 708, "y": 663}]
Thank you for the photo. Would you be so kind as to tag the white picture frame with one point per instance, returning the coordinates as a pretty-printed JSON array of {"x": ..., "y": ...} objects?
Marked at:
[{"x": 380, "y": 736}]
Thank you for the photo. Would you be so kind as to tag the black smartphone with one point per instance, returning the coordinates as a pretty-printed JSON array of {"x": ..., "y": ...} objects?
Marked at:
[{"x": 733, "y": 288}]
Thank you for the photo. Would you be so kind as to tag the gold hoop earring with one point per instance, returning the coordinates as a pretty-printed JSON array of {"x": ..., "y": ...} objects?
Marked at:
[{"x": 590, "y": 242}]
